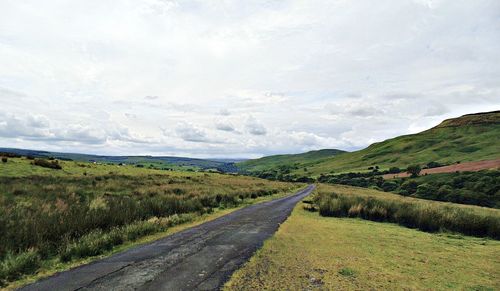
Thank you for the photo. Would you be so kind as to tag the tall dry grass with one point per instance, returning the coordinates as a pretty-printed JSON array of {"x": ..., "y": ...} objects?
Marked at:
[{"x": 415, "y": 213}]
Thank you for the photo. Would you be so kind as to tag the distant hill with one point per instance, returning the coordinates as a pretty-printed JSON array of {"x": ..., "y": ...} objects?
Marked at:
[
  {"x": 472, "y": 137},
  {"x": 163, "y": 162},
  {"x": 298, "y": 160}
]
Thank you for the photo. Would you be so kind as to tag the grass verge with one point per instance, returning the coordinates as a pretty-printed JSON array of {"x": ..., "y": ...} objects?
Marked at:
[
  {"x": 409, "y": 212},
  {"x": 325, "y": 253}
]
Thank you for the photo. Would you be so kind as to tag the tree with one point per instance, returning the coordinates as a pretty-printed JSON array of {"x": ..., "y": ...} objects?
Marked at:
[
  {"x": 394, "y": 170},
  {"x": 414, "y": 170}
]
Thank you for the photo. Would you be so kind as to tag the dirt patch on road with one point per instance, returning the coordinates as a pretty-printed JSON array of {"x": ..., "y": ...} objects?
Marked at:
[{"x": 462, "y": 167}]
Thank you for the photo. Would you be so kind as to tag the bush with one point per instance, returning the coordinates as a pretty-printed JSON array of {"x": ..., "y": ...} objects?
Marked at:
[
  {"x": 409, "y": 187},
  {"x": 394, "y": 170},
  {"x": 431, "y": 165},
  {"x": 414, "y": 170},
  {"x": 4, "y": 159},
  {"x": 54, "y": 164}
]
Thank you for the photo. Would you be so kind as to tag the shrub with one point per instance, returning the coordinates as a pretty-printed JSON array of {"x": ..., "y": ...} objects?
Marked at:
[
  {"x": 394, "y": 170},
  {"x": 4, "y": 159},
  {"x": 431, "y": 165},
  {"x": 408, "y": 187},
  {"x": 348, "y": 272},
  {"x": 54, "y": 164},
  {"x": 388, "y": 186},
  {"x": 414, "y": 170}
]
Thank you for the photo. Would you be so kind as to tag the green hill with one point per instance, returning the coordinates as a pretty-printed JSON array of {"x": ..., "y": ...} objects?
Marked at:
[
  {"x": 298, "y": 160},
  {"x": 472, "y": 137},
  {"x": 159, "y": 162}
]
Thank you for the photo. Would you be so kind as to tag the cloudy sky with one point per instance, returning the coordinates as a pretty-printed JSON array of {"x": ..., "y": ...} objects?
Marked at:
[{"x": 240, "y": 78}]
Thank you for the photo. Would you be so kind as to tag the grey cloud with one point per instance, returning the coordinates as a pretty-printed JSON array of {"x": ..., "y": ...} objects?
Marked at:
[
  {"x": 436, "y": 109},
  {"x": 192, "y": 133},
  {"x": 224, "y": 112},
  {"x": 254, "y": 127},
  {"x": 225, "y": 126}
]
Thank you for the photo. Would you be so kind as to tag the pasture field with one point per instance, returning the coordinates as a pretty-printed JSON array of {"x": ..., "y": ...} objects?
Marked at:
[
  {"x": 315, "y": 252},
  {"x": 85, "y": 210}
]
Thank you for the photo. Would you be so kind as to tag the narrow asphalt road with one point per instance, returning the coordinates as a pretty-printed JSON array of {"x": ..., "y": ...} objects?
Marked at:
[{"x": 198, "y": 258}]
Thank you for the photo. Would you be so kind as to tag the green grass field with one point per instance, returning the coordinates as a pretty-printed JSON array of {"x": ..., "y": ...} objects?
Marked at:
[
  {"x": 468, "y": 138},
  {"x": 50, "y": 217},
  {"x": 312, "y": 252},
  {"x": 300, "y": 160}
]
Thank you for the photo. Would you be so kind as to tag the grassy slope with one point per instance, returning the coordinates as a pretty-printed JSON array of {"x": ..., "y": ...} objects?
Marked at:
[
  {"x": 314, "y": 252},
  {"x": 468, "y": 138},
  {"x": 305, "y": 159}
]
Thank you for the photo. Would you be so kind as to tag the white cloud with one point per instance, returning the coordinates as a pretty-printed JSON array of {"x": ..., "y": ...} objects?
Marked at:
[{"x": 169, "y": 77}]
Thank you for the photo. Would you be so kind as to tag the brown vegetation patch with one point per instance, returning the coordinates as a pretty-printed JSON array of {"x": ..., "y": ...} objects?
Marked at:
[{"x": 462, "y": 167}]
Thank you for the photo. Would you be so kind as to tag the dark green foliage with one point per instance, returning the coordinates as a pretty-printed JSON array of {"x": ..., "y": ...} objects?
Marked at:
[
  {"x": 476, "y": 188},
  {"x": 414, "y": 170},
  {"x": 366, "y": 179},
  {"x": 412, "y": 214},
  {"x": 4, "y": 159},
  {"x": 52, "y": 164},
  {"x": 431, "y": 165},
  {"x": 394, "y": 170},
  {"x": 348, "y": 272},
  {"x": 9, "y": 155}
]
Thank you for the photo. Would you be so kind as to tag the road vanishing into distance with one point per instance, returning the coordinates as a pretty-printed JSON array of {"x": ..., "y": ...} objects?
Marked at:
[{"x": 199, "y": 258}]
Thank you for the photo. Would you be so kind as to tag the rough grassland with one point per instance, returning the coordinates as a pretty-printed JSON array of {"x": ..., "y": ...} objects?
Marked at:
[
  {"x": 51, "y": 267},
  {"x": 50, "y": 216},
  {"x": 323, "y": 253}
]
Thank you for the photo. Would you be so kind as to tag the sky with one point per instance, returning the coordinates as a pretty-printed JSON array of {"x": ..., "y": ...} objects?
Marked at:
[{"x": 240, "y": 79}]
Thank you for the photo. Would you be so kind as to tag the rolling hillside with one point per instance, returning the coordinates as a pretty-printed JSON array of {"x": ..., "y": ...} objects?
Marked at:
[
  {"x": 299, "y": 160},
  {"x": 160, "y": 162},
  {"x": 472, "y": 137}
]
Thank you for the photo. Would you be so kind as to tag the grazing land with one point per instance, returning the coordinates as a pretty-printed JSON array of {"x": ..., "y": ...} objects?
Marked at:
[
  {"x": 49, "y": 216},
  {"x": 315, "y": 252}
]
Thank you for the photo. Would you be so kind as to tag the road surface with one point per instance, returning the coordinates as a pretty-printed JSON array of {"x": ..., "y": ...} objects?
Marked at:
[{"x": 199, "y": 258}]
